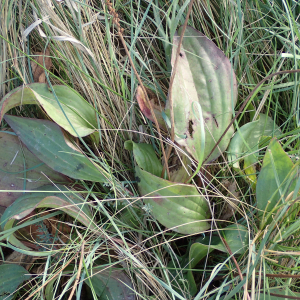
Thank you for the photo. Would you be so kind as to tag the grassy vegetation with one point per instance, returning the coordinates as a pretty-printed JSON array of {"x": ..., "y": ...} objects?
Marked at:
[{"x": 259, "y": 37}]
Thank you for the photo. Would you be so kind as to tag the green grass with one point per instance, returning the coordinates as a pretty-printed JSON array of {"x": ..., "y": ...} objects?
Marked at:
[{"x": 255, "y": 35}]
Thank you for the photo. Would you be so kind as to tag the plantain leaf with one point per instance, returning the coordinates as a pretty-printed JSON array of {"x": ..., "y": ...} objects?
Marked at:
[
  {"x": 176, "y": 206},
  {"x": 11, "y": 276},
  {"x": 276, "y": 180},
  {"x": 71, "y": 107},
  {"x": 145, "y": 157},
  {"x": 56, "y": 197},
  {"x": 236, "y": 237},
  {"x": 246, "y": 140},
  {"x": 21, "y": 170},
  {"x": 204, "y": 88},
  {"x": 111, "y": 284},
  {"x": 46, "y": 140}
]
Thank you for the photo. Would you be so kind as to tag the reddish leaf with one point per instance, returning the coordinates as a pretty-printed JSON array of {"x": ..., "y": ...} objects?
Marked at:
[
  {"x": 157, "y": 106},
  {"x": 37, "y": 71}
]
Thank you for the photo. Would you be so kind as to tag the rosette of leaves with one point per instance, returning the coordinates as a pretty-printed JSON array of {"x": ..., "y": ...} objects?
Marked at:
[{"x": 203, "y": 96}]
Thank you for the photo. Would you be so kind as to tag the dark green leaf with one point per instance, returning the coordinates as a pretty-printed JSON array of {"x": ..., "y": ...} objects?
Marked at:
[
  {"x": 11, "y": 276},
  {"x": 274, "y": 181},
  {"x": 236, "y": 237},
  {"x": 21, "y": 170},
  {"x": 145, "y": 157},
  {"x": 111, "y": 284},
  {"x": 46, "y": 140}
]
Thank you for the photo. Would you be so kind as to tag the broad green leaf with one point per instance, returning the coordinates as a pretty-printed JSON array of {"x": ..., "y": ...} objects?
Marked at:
[
  {"x": 128, "y": 217},
  {"x": 111, "y": 284},
  {"x": 145, "y": 157},
  {"x": 56, "y": 197},
  {"x": 21, "y": 170},
  {"x": 11, "y": 276},
  {"x": 197, "y": 252},
  {"x": 176, "y": 206},
  {"x": 274, "y": 181},
  {"x": 204, "y": 77},
  {"x": 244, "y": 144},
  {"x": 46, "y": 140},
  {"x": 78, "y": 112},
  {"x": 235, "y": 235}
]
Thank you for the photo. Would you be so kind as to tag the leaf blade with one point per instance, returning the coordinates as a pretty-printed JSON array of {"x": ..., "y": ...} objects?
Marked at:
[
  {"x": 112, "y": 284},
  {"x": 75, "y": 109},
  {"x": 21, "y": 170},
  {"x": 273, "y": 180},
  {"x": 176, "y": 206},
  {"x": 204, "y": 75},
  {"x": 11, "y": 276},
  {"x": 45, "y": 140},
  {"x": 145, "y": 157}
]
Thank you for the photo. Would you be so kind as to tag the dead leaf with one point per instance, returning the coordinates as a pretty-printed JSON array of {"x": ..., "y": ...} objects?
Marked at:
[
  {"x": 37, "y": 71},
  {"x": 157, "y": 105},
  {"x": 35, "y": 234},
  {"x": 23, "y": 260}
]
